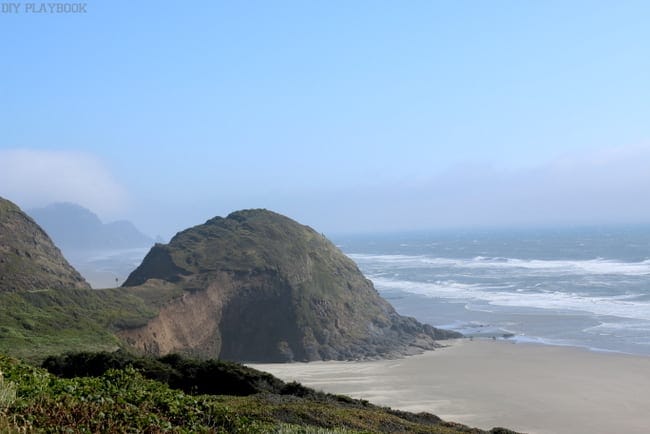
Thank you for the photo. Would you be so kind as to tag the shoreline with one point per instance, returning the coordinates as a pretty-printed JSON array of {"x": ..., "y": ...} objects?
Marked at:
[{"x": 527, "y": 387}]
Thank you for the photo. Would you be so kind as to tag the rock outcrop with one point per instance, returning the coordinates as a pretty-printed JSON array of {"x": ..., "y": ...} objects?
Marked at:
[
  {"x": 28, "y": 258},
  {"x": 258, "y": 286}
]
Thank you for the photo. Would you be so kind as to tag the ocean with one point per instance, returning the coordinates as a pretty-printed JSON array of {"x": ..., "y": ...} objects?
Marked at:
[
  {"x": 106, "y": 268},
  {"x": 584, "y": 287}
]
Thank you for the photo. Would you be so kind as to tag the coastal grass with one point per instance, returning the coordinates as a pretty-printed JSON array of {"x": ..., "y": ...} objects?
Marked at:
[
  {"x": 124, "y": 400},
  {"x": 35, "y": 324}
]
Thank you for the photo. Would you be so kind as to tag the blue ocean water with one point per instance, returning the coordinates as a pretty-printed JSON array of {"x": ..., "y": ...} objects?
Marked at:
[{"x": 587, "y": 287}]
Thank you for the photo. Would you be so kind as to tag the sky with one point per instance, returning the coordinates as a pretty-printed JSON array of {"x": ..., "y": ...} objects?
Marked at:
[{"x": 349, "y": 116}]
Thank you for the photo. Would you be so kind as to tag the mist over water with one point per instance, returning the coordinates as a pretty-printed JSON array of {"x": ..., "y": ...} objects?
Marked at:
[
  {"x": 582, "y": 287},
  {"x": 106, "y": 268}
]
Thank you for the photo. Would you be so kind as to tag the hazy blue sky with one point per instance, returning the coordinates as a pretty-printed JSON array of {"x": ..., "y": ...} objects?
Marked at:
[{"x": 346, "y": 115}]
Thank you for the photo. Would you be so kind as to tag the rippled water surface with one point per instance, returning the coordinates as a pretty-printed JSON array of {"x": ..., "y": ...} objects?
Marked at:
[{"x": 585, "y": 287}]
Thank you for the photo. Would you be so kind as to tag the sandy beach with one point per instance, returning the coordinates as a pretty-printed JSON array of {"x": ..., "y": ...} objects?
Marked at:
[{"x": 484, "y": 383}]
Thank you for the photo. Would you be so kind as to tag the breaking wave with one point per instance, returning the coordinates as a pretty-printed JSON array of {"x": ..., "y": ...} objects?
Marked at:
[{"x": 590, "y": 266}]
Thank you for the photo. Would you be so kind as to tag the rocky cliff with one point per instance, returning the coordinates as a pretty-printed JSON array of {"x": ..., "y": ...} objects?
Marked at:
[
  {"x": 258, "y": 286},
  {"x": 28, "y": 258}
]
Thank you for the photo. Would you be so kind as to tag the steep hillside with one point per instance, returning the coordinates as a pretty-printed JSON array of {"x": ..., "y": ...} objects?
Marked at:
[
  {"x": 257, "y": 286},
  {"x": 28, "y": 258}
]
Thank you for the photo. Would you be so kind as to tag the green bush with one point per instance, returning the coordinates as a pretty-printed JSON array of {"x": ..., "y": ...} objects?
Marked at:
[{"x": 124, "y": 400}]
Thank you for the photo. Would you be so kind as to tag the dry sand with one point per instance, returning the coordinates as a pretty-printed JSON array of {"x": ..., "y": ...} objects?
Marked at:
[{"x": 529, "y": 388}]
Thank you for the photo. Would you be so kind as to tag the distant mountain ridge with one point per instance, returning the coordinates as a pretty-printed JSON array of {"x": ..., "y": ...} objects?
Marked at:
[
  {"x": 258, "y": 286},
  {"x": 72, "y": 226},
  {"x": 29, "y": 260}
]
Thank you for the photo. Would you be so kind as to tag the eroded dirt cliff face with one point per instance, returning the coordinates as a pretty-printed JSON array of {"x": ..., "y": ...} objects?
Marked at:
[
  {"x": 257, "y": 286},
  {"x": 188, "y": 324},
  {"x": 29, "y": 260},
  {"x": 236, "y": 317}
]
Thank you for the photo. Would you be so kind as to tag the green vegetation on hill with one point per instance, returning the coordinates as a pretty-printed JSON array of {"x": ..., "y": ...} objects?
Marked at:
[
  {"x": 123, "y": 400},
  {"x": 35, "y": 324},
  {"x": 214, "y": 377},
  {"x": 255, "y": 286},
  {"x": 28, "y": 258},
  {"x": 262, "y": 287}
]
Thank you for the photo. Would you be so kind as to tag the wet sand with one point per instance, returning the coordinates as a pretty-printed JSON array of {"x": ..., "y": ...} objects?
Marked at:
[{"x": 525, "y": 387}]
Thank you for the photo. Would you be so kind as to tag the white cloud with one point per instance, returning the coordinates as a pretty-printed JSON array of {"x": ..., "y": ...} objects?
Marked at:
[{"x": 34, "y": 178}]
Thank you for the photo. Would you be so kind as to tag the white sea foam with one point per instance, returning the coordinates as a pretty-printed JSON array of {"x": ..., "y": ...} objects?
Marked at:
[
  {"x": 558, "y": 291},
  {"x": 640, "y": 327},
  {"x": 442, "y": 289},
  {"x": 620, "y": 306},
  {"x": 596, "y": 266}
]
